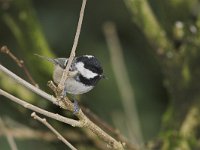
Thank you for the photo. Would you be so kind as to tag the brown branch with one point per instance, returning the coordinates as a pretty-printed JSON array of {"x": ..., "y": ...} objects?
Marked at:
[
  {"x": 20, "y": 131},
  {"x": 72, "y": 54},
  {"x": 116, "y": 133},
  {"x": 59, "y": 136},
  {"x": 27, "y": 105},
  {"x": 65, "y": 104},
  {"x": 87, "y": 123},
  {"x": 28, "y": 85},
  {"x": 19, "y": 62},
  {"x": 98, "y": 120}
]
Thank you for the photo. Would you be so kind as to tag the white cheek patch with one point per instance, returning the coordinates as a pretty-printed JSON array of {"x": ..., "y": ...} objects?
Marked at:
[{"x": 85, "y": 72}]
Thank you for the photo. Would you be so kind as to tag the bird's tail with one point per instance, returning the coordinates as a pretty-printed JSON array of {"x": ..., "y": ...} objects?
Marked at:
[{"x": 46, "y": 58}]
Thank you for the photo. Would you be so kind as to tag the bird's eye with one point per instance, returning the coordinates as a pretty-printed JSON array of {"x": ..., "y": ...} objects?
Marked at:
[
  {"x": 72, "y": 68},
  {"x": 96, "y": 69}
]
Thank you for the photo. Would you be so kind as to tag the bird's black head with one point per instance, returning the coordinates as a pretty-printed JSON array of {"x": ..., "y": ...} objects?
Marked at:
[
  {"x": 90, "y": 69},
  {"x": 91, "y": 63}
]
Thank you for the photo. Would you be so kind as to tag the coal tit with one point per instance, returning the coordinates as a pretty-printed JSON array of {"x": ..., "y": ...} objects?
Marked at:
[{"x": 84, "y": 73}]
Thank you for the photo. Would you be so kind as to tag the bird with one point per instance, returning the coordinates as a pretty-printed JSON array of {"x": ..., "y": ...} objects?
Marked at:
[{"x": 84, "y": 73}]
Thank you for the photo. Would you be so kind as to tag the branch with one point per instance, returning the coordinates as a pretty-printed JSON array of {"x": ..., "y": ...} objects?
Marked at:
[
  {"x": 28, "y": 85},
  {"x": 9, "y": 137},
  {"x": 20, "y": 131},
  {"x": 115, "y": 132},
  {"x": 28, "y": 33},
  {"x": 145, "y": 19},
  {"x": 65, "y": 104},
  {"x": 20, "y": 63},
  {"x": 60, "y": 137},
  {"x": 72, "y": 54},
  {"x": 27, "y": 105},
  {"x": 83, "y": 120}
]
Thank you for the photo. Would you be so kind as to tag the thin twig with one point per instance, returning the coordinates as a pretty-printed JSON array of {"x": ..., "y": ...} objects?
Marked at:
[
  {"x": 66, "y": 104},
  {"x": 27, "y": 105},
  {"x": 9, "y": 137},
  {"x": 60, "y": 137},
  {"x": 89, "y": 124},
  {"x": 98, "y": 120},
  {"x": 94, "y": 118},
  {"x": 123, "y": 81},
  {"x": 21, "y": 132},
  {"x": 20, "y": 63},
  {"x": 108, "y": 128},
  {"x": 29, "y": 86},
  {"x": 73, "y": 51}
]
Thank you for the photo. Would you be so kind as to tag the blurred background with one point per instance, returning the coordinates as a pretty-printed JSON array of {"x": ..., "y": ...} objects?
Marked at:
[{"x": 48, "y": 28}]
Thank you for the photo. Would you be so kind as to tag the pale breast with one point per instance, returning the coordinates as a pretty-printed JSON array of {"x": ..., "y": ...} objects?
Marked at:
[
  {"x": 74, "y": 87},
  {"x": 57, "y": 74}
]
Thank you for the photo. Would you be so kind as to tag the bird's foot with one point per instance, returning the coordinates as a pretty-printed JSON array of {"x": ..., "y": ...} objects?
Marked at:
[
  {"x": 76, "y": 107},
  {"x": 64, "y": 93}
]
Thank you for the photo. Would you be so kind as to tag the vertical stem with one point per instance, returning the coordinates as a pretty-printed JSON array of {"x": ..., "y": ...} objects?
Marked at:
[
  {"x": 123, "y": 81},
  {"x": 73, "y": 51}
]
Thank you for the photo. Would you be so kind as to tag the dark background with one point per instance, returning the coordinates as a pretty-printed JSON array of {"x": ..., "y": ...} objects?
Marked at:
[{"x": 58, "y": 20}]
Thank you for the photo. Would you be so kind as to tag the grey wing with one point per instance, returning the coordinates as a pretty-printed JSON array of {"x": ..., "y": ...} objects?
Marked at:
[{"x": 62, "y": 62}]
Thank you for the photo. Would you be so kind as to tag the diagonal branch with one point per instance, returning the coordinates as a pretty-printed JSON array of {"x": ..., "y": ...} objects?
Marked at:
[
  {"x": 65, "y": 104},
  {"x": 28, "y": 85},
  {"x": 144, "y": 18},
  {"x": 72, "y": 54},
  {"x": 20, "y": 63},
  {"x": 60, "y": 137},
  {"x": 27, "y": 105}
]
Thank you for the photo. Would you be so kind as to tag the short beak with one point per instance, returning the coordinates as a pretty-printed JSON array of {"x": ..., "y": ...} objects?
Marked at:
[{"x": 103, "y": 77}]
